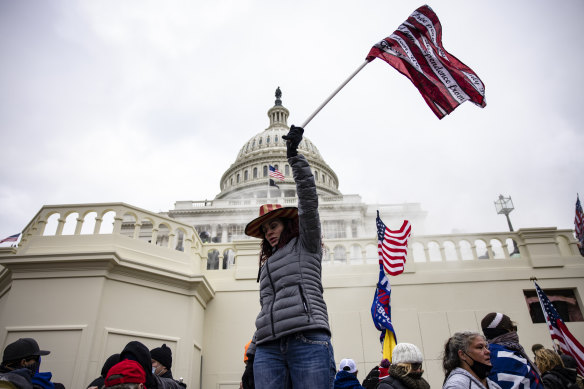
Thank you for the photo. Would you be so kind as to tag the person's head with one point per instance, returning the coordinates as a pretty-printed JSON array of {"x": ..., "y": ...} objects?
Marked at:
[
  {"x": 161, "y": 359},
  {"x": 349, "y": 366},
  {"x": 496, "y": 324},
  {"x": 24, "y": 353},
  {"x": 547, "y": 359},
  {"x": 109, "y": 363},
  {"x": 468, "y": 350},
  {"x": 275, "y": 226},
  {"x": 127, "y": 374},
  {"x": 409, "y": 357},
  {"x": 137, "y": 351}
]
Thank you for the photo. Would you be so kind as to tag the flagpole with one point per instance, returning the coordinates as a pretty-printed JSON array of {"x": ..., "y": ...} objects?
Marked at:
[{"x": 334, "y": 93}]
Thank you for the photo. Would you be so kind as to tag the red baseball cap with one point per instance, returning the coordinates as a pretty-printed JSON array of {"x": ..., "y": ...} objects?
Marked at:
[{"x": 125, "y": 372}]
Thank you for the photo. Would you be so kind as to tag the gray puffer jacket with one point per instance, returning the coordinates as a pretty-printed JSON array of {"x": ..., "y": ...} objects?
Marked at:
[{"x": 290, "y": 280}]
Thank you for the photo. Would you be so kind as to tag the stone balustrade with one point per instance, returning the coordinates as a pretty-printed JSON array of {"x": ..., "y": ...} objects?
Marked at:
[{"x": 534, "y": 244}]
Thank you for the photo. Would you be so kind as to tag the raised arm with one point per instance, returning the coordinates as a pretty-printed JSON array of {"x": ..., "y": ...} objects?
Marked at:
[{"x": 308, "y": 218}]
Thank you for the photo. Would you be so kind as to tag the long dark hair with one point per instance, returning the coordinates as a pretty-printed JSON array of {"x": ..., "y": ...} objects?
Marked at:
[{"x": 290, "y": 231}]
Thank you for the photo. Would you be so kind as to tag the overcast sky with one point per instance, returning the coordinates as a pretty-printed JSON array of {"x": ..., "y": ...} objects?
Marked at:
[{"x": 149, "y": 102}]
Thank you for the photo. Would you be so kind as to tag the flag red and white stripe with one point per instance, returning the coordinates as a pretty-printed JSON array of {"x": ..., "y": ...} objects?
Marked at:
[
  {"x": 415, "y": 49},
  {"x": 392, "y": 246},
  {"x": 567, "y": 343},
  {"x": 11, "y": 238},
  {"x": 275, "y": 173}
]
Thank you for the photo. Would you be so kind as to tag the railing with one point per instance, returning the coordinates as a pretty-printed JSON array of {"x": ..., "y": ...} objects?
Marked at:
[
  {"x": 292, "y": 201},
  {"x": 444, "y": 248},
  {"x": 159, "y": 230},
  {"x": 126, "y": 220}
]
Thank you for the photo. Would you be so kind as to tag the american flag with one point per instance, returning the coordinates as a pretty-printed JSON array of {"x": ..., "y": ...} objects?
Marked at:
[
  {"x": 559, "y": 332},
  {"x": 579, "y": 222},
  {"x": 11, "y": 238},
  {"x": 415, "y": 50},
  {"x": 275, "y": 173},
  {"x": 392, "y": 246}
]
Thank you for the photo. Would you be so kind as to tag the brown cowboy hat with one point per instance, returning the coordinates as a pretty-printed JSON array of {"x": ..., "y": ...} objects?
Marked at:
[{"x": 269, "y": 211}]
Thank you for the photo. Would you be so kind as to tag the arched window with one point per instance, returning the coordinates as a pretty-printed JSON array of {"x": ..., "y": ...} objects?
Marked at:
[
  {"x": 237, "y": 179},
  {"x": 260, "y": 141},
  {"x": 255, "y": 172},
  {"x": 287, "y": 170},
  {"x": 265, "y": 171},
  {"x": 275, "y": 138},
  {"x": 316, "y": 175},
  {"x": 253, "y": 144},
  {"x": 276, "y": 167},
  {"x": 231, "y": 181},
  {"x": 268, "y": 140},
  {"x": 245, "y": 175}
]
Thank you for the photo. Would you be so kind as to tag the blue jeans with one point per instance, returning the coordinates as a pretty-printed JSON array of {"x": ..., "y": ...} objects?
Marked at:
[{"x": 298, "y": 361}]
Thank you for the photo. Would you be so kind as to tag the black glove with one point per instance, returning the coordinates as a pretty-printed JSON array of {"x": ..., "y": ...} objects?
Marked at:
[{"x": 293, "y": 139}]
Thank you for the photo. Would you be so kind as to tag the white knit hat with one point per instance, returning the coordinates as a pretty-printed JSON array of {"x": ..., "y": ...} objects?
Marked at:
[
  {"x": 348, "y": 365},
  {"x": 406, "y": 353}
]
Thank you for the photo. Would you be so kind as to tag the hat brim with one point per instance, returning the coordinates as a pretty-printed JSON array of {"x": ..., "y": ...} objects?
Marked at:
[
  {"x": 42, "y": 352},
  {"x": 253, "y": 228}
]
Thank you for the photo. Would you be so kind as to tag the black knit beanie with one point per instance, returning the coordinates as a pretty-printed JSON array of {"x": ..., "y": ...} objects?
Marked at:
[
  {"x": 496, "y": 324},
  {"x": 163, "y": 355}
]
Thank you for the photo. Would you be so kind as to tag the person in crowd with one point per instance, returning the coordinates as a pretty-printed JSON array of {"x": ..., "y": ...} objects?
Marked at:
[
  {"x": 247, "y": 381},
  {"x": 405, "y": 371},
  {"x": 346, "y": 377},
  {"x": 26, "y": 353},
  {"x": 511, "y": 364},
  {"x": 570, "y": 363},
  {"x": 292, "y": 338},
  {"x": 467, "y": 363},
  {"x": 100, "y": 381},
  {"x": 553, "y": 373},
  {"x": 372, "y": 378},
  {"x": 138, "y": 352},
  {"x": 161, "y": 361},
  {"x": 384, "y": 368},
  {"x": 127, "y": 374},
  {"x": 16, "y": 379}
]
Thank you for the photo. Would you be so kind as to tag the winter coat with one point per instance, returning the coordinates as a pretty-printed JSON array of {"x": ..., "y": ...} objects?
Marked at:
[
  {"x": 559, "y": 378},
  {"x": 20, "y": 378},
  {"x": 510, "y": 366},
  {"x": 390, "y": 383},
  {"x": 290, "y": 279},
  {"x": 346, "y": 380},
  {"x": 372, "y": 379},
  {"x": 462, "y": 379}
]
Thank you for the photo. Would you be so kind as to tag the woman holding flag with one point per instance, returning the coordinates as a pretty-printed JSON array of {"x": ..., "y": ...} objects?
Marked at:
[{"x": 292, "y": 338}]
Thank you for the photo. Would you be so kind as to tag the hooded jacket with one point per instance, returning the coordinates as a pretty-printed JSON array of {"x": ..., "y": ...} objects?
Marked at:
[
  {"x": 462, "y": 379},
  {"x": 290, "y": 280},
  {"x": 136, "y": 351},
  {"x": 560, "y": 378},
  {"x": 100, "y": 381},
  {"x": 346, "y": 380}
]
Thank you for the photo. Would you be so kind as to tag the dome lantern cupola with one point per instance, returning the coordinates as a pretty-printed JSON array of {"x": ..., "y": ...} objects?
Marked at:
[{"x": 278, "y": 114}]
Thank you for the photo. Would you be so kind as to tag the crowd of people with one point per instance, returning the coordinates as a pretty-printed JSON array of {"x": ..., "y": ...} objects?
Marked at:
[
  {"x": 493, "y": 359},
  {"x": 135, "y": 367}
]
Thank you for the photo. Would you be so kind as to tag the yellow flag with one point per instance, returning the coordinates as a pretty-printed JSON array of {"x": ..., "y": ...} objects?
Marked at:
[{"x": 388, "y": 344}]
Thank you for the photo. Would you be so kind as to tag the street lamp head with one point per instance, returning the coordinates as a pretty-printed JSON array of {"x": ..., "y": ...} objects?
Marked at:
[{"x": 504, "y": 205}]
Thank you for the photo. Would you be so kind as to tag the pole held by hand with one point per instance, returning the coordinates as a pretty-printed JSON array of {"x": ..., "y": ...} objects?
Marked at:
[{"x": 334, "y": 93}]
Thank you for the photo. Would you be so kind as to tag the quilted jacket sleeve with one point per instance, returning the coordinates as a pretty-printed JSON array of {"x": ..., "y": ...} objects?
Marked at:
[{"x": 309, "y": 221}]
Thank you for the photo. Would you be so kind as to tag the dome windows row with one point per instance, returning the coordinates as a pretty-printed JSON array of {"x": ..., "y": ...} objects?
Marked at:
[{"x": 262, "y": 172}]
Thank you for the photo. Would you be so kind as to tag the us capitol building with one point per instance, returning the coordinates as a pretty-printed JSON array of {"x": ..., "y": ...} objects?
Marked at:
[{"x": 86, "y": 279}]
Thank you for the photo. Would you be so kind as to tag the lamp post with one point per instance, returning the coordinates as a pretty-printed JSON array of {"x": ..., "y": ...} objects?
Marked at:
[{"x": 504, "y": 205}]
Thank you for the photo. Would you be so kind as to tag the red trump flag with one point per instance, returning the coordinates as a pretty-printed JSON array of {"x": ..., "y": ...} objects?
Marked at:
[{"x": 415, "y": 50}]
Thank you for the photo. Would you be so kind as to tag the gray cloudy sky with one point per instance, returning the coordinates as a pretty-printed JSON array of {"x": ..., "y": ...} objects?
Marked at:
[{"x": 148, "y": 102}]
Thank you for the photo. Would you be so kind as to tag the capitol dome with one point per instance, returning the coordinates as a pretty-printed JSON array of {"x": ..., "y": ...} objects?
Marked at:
[{"x": 248, "y": 176}]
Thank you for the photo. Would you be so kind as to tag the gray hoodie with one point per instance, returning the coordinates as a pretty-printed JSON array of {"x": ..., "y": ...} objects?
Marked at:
[{"x": 462, "y": 379}]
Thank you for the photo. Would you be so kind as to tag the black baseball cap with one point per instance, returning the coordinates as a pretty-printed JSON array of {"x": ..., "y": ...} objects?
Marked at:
[{"x": 23, "y": 347}]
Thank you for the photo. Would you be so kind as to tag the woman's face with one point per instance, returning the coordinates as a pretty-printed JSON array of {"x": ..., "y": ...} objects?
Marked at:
[
  {"x": 478, "y": 351},
  {"x": 272, "y": 230}
]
